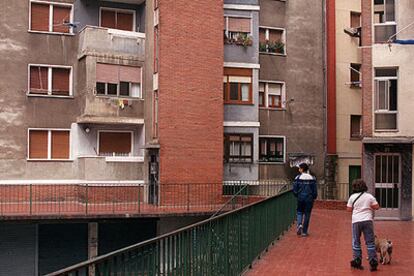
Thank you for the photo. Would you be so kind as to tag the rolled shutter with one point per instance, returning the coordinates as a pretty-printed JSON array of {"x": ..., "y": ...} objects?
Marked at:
[
  {"x": 38, "y": 144},
  {"x": 108, "y": 73},
  {"x": 239, "y": 24},
  {"x": 108, "y": 19},
  {"x": 38, "y": 80},
  {"x": 61, "y": 15},
  {"x": 262, "y": 35},
  {"x": 114, "y": 142},
  {"x": 275, "y": 35},
  {"x": 39, "y": 17},
  {"x": 60, "y": 144},
  {"x": 60, "y": 81},
  {"x": 125, "y": 21},
  {"x": 130, "y": 74}
]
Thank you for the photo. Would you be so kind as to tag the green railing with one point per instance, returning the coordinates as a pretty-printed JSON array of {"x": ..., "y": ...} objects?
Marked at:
[{"x": 224, "y": 245}]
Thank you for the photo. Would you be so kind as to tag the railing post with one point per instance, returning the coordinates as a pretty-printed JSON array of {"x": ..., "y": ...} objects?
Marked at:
[
  {"x": 30, "y": 198},
  {"x": 87, "y": 198}
]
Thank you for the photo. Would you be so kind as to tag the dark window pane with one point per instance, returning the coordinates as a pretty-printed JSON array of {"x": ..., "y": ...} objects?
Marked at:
[
  {"x": 396, "y": 169},
  {"x": 390, "y": 10},
  {"x": 385, "y": 72},
  {"x": 234, "y": 91},
  {"x": 355, "y": 126},
  {"x": 100, "y": 88},
  {"x": 393, "y": 95},
  {"x": 124, "y": 88},
  {"x": 224, "y": 90},
  {"x": 384, "y": 169},
  {"x": 112, "y": 88},
  {"x": 385, "y": 121},
  {"x": 377, "y": 169},
  {"x": 384, "y": 32}
]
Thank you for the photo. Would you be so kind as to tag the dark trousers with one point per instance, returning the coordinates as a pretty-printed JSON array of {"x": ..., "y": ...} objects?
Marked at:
[
  {"x": 367, "y": 228},
  {"x": 304, "y": 211}
]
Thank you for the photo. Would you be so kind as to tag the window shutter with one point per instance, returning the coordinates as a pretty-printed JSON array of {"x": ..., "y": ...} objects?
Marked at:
[
  {"x": 38, "y": 80},
  {"x": 38, "y": 144},
  {"x": 275, "y": 89},
  {"x": 262, "y": 35},
  {"x": 275, "y": 35},
  {"x": 125, "y": 21},
  {"x": 107, "y": 73},
  {"x": 130, "y": 74},
  {"x": 114, "y": 142},
  {"x": 60, "y": 144},
  {"x": 60, "y": 81},
  {"x": 239, "y": 25},
  {"x": 108, "y": 19},
  {"x": 61, "y": 15},
  {"x": 40, "y": 17}
]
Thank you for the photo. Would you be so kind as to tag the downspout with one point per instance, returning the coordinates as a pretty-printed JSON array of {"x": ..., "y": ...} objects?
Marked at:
[{"x": 324, "y": 43}]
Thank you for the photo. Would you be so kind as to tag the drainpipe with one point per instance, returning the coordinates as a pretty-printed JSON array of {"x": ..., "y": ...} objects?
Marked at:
[{"x": 325, "y": 90}]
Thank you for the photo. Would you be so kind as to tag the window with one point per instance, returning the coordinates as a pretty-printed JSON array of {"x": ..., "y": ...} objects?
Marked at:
[
  {"x": 50, "y": 80},
  {"x": 386, "y": 103},
  {"x": 384, "y": 20},
  {"x": 118, "y": 80},
  {"x": 49, "y": 144},
  {"x": 272, "y": 149},
  {"x": 237, "y": 30},
  {"x": 271, "y": 94},
  {"x": 355, "y": 126},
  {"x": 48, "y": 17},
  {"x": 387, "y": 180},
  {"x": 238, "y": 148},
  {"x": 355, "y": 74},
  {"x": 118, "y": 19},
  {"x": 115, "y": 143},
  {"x": 272, "y": 40},
  {"x": 355, "y": 20},
  {"x": 237, "y": 86}
]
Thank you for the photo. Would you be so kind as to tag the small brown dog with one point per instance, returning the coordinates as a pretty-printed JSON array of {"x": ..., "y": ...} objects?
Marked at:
[{"x": 384, "y": 247}]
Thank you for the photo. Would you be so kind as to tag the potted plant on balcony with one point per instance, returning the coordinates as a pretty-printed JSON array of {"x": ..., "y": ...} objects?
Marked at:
[
  {"x": 276, "y": 47},
  {"x": 244, "y": 40}
]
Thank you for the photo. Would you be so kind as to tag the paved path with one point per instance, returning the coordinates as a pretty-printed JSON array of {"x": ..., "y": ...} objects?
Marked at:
[{"x": 327, "y": 250}]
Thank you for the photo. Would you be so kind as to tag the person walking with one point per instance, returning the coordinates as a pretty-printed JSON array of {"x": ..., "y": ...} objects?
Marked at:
[
  {"x": 305, "y": 190},
  {"x": 362, "y": 205}
]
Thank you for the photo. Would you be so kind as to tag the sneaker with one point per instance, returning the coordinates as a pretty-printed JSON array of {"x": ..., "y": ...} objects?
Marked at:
[
  {"x": 357, "y": 264},
  {"x": 305, "y": 234},
  {"x": 373, "y": 265},
  {"x": 299, "y": 231}
]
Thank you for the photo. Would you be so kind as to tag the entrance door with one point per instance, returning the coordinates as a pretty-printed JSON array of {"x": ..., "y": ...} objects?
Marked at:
[
  {"x": 388, "y": 184},
  {"x": 354, "y": 173}
]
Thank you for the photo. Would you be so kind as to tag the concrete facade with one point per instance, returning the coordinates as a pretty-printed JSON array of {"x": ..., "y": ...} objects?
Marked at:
[
  {"x": 347, "y": 53},
  {"x": 301, "y": 119},
  {"x": 396, "y": 141}
]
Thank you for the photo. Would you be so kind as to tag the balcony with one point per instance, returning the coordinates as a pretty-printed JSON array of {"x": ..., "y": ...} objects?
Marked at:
[{"x": 103, "y": 42}]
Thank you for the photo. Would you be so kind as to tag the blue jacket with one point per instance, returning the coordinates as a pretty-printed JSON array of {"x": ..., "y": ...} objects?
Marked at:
[{"x": 304, "y": 187}]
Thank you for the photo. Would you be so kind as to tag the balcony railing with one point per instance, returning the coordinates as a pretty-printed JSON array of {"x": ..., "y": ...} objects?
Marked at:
[
  {"x": 110, "y": 42},
  {"x": 223, "y": 245},
  {"x": 90, "y": 199}
]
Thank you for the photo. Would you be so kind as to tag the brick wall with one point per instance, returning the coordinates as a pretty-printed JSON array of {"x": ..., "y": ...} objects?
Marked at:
[
  {"x": 190, "y": 91},
  {"x": 367, "y": 86}
]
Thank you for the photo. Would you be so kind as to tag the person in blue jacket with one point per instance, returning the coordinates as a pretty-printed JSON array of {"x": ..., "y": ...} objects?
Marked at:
[{"x": 305, "y": 190}]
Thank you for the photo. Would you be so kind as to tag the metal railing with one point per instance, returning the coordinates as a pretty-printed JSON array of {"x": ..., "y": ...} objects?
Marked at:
[
  {"x": 335, "y": 191},
  {"x": 224, "y": 245},
  {"x": 98, "y": 199}
]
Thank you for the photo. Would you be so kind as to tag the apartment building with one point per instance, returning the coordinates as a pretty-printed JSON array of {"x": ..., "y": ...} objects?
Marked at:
[
  {"x": 291, "y": 88},
  {"x": 387, "y": 52},
  {"x": 344, "y": 94},
  {"x": 112, "y": 106}
]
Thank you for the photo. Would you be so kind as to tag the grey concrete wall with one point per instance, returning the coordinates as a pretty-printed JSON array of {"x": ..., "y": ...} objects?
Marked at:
[
  {"x": 302, "y": 122},
  {"x": 87, "y": 13}
]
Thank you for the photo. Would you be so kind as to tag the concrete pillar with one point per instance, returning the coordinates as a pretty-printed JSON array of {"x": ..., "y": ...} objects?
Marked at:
[{"x": 92, "y": 244}]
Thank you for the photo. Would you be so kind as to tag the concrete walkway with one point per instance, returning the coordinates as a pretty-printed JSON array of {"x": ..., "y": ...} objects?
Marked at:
[{"x": 327, "y": 250}]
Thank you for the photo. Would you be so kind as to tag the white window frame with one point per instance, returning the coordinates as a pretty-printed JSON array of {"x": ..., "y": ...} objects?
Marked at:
[
  {"x": 227, "y": 16},
  {"x": 134, "y": 16},
  {"x": 386, "y": 22},
  {"x": 51, "y": 5},
  {"x": 49, "y": 84},
  {"x": 376, "y": 100},
  {"x": 267, "y": 35},
  {"x": 131, "y": 153},
  {"x": 266, "y": 96},
  {"x": 118, "y": 91},
  {"x": 49, "y": 144},
  {"x": 284, "y": 148}
]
